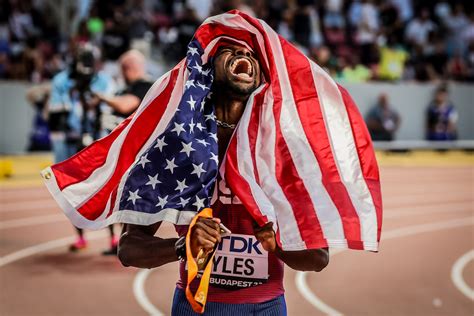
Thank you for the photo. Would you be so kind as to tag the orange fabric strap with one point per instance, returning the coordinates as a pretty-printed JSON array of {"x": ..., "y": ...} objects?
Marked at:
[{"x": 198, "y": 300}]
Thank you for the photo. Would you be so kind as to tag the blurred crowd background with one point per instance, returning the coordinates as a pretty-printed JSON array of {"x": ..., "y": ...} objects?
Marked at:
[
  {"x": 130, "y": 43},
  {"x": 354, "y": 40}
]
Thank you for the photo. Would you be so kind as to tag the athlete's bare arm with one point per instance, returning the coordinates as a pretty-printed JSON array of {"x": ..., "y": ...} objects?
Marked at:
[
  {"x": 303, "y": 260},
  {"x": 139, "y": 247}
]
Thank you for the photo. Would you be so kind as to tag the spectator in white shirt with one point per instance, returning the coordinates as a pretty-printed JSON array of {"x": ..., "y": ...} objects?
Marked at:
[{"x": 418, "y": 29}]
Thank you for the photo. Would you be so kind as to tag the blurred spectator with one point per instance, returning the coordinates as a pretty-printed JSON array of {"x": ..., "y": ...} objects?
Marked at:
[
  {"x": 382, "y": 120},
  {"x": 35, "y": 34},
  {"x": 457, "y": 67},
  {"x": 116, "y": 39},
  {"x": 285, "y": 26},
  {"x": 74, "y": 114},
  {"x": 333, "y": 14},
  {"x": 438, "y": 59},
  {"x": 125, "y": 102},
  {"x": 441, "y": 117},
  {"x": 201, "y": 7},
  {"x": 456, "y": 23},
  {"x": 38, "y": 96},
  {"x": 315, "y": 34},
  {"x": 418, "y": 29},
  {"x": 325, "y": 59},
  {"x": 404, "y": 8},
  {"x": 470, "y": 62},
  {"x": 468, "y": 32},
  {"x": 354, "y": 13},
  {"x": 392, "y": 60},
  {"x": 354, "y": 71},
  {"x": 302, "y": 26},
  {"x": 367, "y": 30},
  {"x": 138, "y": 18},
  {"x": 21, "y": 21},
  {"x": 4, "y": 52}
]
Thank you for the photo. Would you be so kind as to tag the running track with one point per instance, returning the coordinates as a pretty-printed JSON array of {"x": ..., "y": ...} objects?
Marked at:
[{"x": 425, "y": 265}]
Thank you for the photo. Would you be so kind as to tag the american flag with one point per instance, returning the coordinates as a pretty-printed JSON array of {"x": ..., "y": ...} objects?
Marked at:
[{"x": 301, "y": 156}]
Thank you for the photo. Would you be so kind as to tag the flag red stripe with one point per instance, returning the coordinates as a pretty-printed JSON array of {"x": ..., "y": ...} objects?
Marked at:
[
  {"x": 366, "y": 154},
  {"x": 137, "y": 136},
  {"x": 253, "y": 129},
  {"x": 286, "y": 173},
  {"x": 239, "y": 185},
  {"x": 81, "y": 166},
  {"x": 311, "y": 117},
  {"x": 113, "y": 199},
  {"x": 206, "y": 33}
]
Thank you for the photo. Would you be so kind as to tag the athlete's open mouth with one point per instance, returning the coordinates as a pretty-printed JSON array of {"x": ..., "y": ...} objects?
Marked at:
[{"x": 242, "y": 68}]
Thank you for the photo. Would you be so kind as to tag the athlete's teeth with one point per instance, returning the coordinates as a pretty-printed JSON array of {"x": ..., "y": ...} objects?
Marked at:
[{"x": 248, "y": 68}]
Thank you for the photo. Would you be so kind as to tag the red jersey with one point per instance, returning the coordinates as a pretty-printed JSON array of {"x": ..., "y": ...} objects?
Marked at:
[{"x": 243, "y": 272}]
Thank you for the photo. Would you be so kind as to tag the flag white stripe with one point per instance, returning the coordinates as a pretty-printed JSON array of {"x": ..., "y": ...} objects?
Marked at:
[
  {"x": 290, "y": 236},
  {"x": 79, "y": 193},
  {"x": 245, "y": 164},
  {"x": 210, "y": 46},
  {"x": 238, "y": 22},
  {"x": 123, "y": 216},
  {"x": 301, "y": 152},
  {"x": 345, "y": 154}
]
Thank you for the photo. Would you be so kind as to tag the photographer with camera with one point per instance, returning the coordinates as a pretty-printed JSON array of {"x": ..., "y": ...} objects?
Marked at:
[{"x": 74, "y": 112}]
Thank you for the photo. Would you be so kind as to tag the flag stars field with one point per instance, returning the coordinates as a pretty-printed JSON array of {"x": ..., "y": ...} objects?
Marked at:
[
  {"x": 133, "y": 196},
  {"x": 198, "y": 170},
  {"x": 202, "y": 86},
  {"x": 198, "y": 67},
  {"x": 181, "y": 185},
  {"x": 199, "y": 203},
  {"x": 199, "y": 126},
  {"x": 189, "y": 83},
  {"x": 187, "y": 148},
  {"x": 215, "y": 158},
  {"x": 193, "y": 51},
  {"x": 176, "y": 171},
  {"x": 191, "y": 126},
  {"x": 211, "y": 116},
  {"x": 203, "y": 142},
  {"x": 183, "y": 202},
  {"x": 160, "y": 143},
  {"x": 143, "y": 161},
  {"x": 178, "y": 128},
  {"x": 162, "y": 201},
  {"x": 153, "y": 181},
  {"x": 170, "y": 165},
  {"x": 192, "y": 102},
  {"x": 213, "y": 136}
]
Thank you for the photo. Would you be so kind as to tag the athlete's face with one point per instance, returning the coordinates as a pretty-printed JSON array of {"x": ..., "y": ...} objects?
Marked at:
[{"x": 237, "y": 69}]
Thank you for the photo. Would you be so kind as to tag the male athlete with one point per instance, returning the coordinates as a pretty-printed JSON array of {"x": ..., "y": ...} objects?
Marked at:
[{"x": 247, "y": 276}]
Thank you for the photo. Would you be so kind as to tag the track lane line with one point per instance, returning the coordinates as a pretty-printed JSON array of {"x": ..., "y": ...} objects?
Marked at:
[
  {"x": 140, "y": 294},
  {"x": 301, "y": 277},
  {"x": 456, "y": 274}
]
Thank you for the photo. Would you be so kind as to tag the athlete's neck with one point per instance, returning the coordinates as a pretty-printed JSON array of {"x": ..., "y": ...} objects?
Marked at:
[{"x": 228, "y": 109}]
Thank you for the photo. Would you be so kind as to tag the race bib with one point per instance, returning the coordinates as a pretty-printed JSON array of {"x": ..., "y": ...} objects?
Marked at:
[{"x": 240, "y": 262}]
